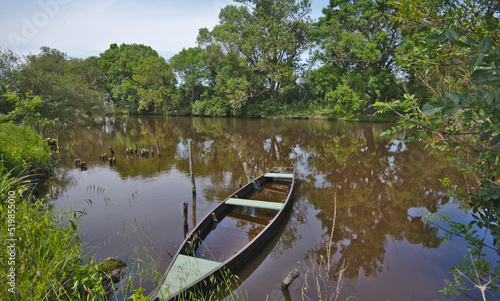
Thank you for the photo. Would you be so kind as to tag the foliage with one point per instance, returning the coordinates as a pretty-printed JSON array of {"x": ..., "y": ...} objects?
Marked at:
[
  {"x": 260, "y": 45},
  {"x": 157, "y": 83},
  {"x": 357, "y": 42},
  {"x": 47, "y": 258},
  {"x": 117, "y": 65},
  {"x": 460, "y": 59},
  {"x": 65, "y": 85},
  {"x": 22, "y": 150},
  {"x": 191, "y": 68}
]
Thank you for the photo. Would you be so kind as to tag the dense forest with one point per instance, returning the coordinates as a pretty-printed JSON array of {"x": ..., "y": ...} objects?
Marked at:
[
  {"x": 264, "y": 58},
  {"x": 432, "y": 64}
]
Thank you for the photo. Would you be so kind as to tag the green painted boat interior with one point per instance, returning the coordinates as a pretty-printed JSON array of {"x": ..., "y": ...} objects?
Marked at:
[
  {"x": 238, "y": 226},
  {"x": 185, "y": 270},
  {"x": 254, "y": 203},
  {"x": 279, "y": 175}
]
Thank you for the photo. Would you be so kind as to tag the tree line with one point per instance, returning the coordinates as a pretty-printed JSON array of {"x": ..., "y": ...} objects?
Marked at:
[
  {"x": 264, "y": 58},
  {"x": 432, "y": 63}
]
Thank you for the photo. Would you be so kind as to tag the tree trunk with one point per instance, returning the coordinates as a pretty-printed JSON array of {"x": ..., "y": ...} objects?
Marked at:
[{"x": 369, "y": 110}]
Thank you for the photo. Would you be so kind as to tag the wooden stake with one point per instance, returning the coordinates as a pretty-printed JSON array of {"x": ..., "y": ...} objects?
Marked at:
[
  {"x": 191, "y": 167},
  {"x": 289, "y": 279},
  {"x": 241, "y": 182},
  {"x": 158, "y": 148},
  {"x": 135, "y": 145},
  {"x": 185, "y": 218},
  {"x": 194, "y": 210}
]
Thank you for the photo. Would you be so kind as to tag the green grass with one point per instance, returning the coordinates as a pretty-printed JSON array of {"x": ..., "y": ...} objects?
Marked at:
[
  {"x": 41, "y": 251},
  {"x": 22, "y": 150},
  {"x": 47, "y": 251}
]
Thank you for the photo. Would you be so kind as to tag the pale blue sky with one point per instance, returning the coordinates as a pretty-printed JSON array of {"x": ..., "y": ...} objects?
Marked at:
[{"x": 86, "y": 28}]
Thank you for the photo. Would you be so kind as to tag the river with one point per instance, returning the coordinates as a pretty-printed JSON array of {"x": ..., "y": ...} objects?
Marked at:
[{"x": 375, "y": 186}]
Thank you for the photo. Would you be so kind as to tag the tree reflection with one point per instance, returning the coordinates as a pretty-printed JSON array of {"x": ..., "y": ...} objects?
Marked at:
[{"x": 375, "y": 180}]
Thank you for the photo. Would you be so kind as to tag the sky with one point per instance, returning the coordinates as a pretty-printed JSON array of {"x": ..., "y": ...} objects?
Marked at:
[{"x": 83, "y": 28}]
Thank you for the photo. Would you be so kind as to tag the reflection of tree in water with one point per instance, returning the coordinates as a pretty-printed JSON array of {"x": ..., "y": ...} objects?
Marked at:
[
  {"x": 376, "y": 179},
  {"x": 374, "y": 189}
]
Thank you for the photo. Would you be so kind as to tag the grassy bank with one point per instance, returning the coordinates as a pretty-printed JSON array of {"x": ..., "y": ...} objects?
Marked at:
[{"x": 41, "y": 251}]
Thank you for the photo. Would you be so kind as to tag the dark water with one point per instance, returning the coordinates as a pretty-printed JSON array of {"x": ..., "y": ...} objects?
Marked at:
[{"x": 379, "y": 185}]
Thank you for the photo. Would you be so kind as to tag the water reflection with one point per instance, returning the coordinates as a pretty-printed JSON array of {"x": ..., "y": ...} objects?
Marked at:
[{"x": 375, "y": 181}]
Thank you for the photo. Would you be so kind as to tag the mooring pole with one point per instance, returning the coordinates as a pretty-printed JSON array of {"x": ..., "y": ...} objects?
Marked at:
[
  {"x": 194, "y": 210},
  {"x": 158, "y": 148},
  {"x": 185, "y": 219},
  {"x": 191, "y": 167},
  {"x": 289, "y": 279}
]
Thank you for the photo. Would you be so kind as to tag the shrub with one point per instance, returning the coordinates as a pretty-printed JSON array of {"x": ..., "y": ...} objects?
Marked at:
[{"x": 23, "y": 150}]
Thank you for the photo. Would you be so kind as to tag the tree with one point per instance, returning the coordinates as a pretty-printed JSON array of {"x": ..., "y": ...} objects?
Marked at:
[
  {"x": 265, "y": 37},
  {"x": 157, "y": 83},
  {"x": 117, "y": 64},
  {"x": 460, "y": 61},
  {"x": 65, "y": 85},
  {"x": 357, "y": 40},
  {"x": 190, "y": 67}
]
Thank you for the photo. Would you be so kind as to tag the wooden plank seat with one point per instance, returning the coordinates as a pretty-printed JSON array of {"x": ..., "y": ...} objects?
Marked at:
[
  {"x": 185, "y": 271},
  {"x": 279, "y": 175},
  {"x": 253, "y": 203}
]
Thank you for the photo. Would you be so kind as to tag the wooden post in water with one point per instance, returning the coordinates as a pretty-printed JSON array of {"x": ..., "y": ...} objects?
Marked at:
[
  {"x": 194, "y": 210},
  {"x": 135, "y": 146},
  {"x": 185, "y": 218},
  {"x": 289, "y": 279},
  {"x": 158, "y": 148},
  {"x": 191, "y": 167}
]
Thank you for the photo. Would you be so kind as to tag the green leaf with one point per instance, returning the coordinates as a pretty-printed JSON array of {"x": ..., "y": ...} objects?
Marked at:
[
  {"x": 432, "y": 108},
  {"x": 485, "y": 45},
  {"x": 490, "y": 76},
  {"x": 484, "y": 96},
  {"x": 451, "y": 34},
  {"x": 433, "y": 38},
  {"x": 496, "y": 52},
  {"x": 476, "y": 60},
  {"x": 449, "y": 110},
  {"x": 457, "y": 99},
  {"x": 495, "y": 141},
  {"x": 470, "y": 41}
]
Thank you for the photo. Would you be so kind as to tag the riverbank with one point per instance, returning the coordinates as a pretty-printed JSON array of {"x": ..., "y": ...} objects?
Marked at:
[{"x": 41, "y": 258}]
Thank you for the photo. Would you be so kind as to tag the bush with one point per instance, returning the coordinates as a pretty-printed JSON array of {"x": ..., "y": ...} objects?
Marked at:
[{"x": 23, "y": 150}]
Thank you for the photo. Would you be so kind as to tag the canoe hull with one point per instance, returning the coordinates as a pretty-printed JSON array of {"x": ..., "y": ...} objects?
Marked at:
[{"x": 285, "y": 178}]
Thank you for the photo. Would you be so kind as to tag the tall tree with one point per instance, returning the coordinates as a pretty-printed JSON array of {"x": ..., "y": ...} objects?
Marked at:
[
  {"x": 157, "y": 83},
  {"x": 192, "y": 71},
  {"x": 270, "y": 35},
  {"x": 117, "y": 64},
  {"x": 357, "y": 40},
  {"x": 65, "y": 85}
]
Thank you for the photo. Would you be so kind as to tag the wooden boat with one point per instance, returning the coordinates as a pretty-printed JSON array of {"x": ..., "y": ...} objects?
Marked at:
[{"x": 230, "y": 235}]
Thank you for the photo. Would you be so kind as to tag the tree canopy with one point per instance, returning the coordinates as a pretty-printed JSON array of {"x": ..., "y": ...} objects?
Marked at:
[{"x": 357, "y": 42}]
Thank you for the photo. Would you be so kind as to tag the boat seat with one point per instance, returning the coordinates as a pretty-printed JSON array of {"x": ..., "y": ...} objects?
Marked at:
[
  {"x": 278, "y": 175},
  {"x": 185, "y": 271},
  {"x": 253, "y": 203}
]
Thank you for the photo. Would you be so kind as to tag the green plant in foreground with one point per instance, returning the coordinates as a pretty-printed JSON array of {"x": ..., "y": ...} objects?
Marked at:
[
  {"x": 47, "y": 260},
  {"x": 23, "y": 150}
]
